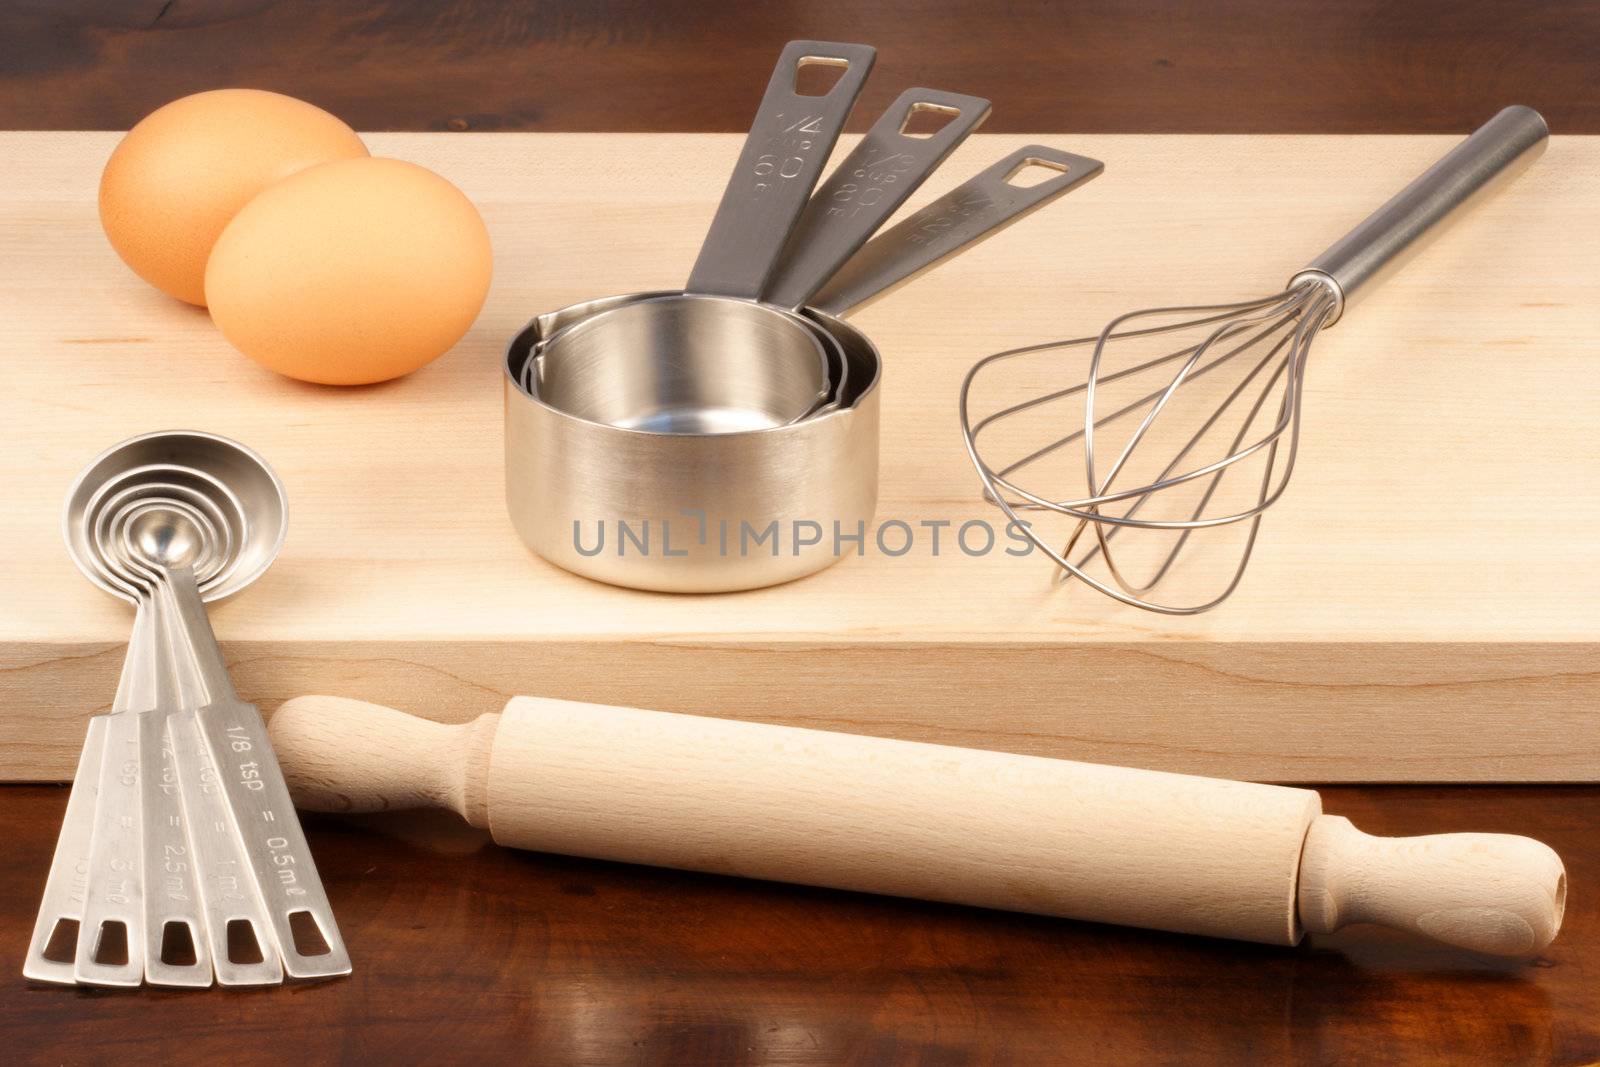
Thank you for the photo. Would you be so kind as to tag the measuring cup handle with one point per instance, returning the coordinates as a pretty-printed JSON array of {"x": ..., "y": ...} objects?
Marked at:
[
  {"x": 783, "y": 156},
  {"x": 877, "y": 177},
  {"x": 968, "y": 214}
]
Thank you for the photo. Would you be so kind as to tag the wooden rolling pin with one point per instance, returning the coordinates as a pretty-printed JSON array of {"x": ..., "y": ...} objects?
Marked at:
[{"x": 1023, "y": 833}]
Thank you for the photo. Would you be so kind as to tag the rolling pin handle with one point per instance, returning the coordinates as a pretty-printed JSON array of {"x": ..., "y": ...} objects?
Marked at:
[
  {"x": 345, "y": 755},
  {"x": 718, "y": 795},
  {"x": 1493, "y": 893}
]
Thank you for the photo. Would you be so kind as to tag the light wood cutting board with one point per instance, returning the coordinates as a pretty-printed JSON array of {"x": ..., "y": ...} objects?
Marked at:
[{"x": 1422, "y": 605}]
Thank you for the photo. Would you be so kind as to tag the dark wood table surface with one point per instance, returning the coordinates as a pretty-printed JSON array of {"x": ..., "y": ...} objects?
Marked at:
[
  {"x": 1202, "y": 66},
  {"x": 467, "y": 953}
]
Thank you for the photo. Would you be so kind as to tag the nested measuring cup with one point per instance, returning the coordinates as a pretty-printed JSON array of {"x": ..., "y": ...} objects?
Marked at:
[
  {"x": 718, "y": 512},
  {"x": 700, "y": 363},
  {"x": 711, "y": 359}
]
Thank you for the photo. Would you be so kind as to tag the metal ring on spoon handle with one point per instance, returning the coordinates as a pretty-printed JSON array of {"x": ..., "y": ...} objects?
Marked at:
[
  {"x": 782, "y": 158},
  {"x": 970, "y": 213},
  {"x": 1498, "y": 151},
  {"x": 878, "y": 175},
  {"x": 258, "y": 800}
]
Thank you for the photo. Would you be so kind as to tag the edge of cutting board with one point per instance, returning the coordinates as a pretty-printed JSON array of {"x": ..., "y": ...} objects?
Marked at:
[
  {"x": 1404, "y": 712},
  {"x": 1391, "y": 628}
]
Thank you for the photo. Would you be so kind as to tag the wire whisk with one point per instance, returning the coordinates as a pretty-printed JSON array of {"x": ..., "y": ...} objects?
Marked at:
[
  {"x": 1195, "y": 439},
  {"x": 1268, "y": 339}
]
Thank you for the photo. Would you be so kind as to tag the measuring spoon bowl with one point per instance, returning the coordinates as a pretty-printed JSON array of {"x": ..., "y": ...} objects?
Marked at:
[{"x": 250, "y": 486}]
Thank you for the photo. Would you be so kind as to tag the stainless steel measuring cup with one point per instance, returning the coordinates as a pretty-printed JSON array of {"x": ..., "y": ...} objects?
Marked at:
[
  {"x": 679, "y": 363},
  {"x": 722, "y": 512},
  {"x": 710, "y": 359}
]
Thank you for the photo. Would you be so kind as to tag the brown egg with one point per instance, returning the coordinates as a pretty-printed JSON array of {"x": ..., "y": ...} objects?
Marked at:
[
  {"x": 176, "y": 179},
  {"x": 351, "y": 272}
]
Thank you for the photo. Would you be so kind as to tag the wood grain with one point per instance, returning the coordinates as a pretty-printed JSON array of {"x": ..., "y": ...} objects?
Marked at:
[
  {"x": 1410, "y": 614},
  {"x": 932, "y": 822},
  {"x": 571, "y": 65},
  {"x": 1424, "y": 711},
  {"x": 465, "y": 952}
]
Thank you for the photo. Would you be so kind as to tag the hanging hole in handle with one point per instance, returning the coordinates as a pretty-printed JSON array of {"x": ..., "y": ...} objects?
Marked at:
[
  {"x": 111, "y": 947},
  {"x": 243, "y": 945},
  {"x": 1034, "y": 171},
  {"x": 817, "y": 75},
  {"x": 308, "y": 939},
  {"x": 177, "y": 945},
  {"x": 924, "y": 120},
  {"x": 63, "y": 941}
]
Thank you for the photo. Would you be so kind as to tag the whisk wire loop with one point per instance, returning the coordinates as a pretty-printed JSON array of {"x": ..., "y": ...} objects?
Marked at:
[{"x": 1267, "y": 337}]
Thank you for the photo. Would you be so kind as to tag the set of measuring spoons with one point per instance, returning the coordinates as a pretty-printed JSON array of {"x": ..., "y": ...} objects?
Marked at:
[{"x": 180, "y": 859}]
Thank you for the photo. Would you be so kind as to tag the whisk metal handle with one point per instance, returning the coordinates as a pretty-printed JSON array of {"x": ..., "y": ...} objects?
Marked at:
[{"x": 1497, "y": 152}]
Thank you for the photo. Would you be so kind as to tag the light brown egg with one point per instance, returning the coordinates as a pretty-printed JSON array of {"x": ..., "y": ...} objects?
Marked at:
[
  {"x": 186, "y": 169},
  {"x": 352, "y": 272}
]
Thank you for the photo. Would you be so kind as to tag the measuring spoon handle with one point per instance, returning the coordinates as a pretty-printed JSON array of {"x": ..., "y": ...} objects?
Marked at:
[
  {"x": 243, "y": 946},
  {"x": 172, "y": 909},
  {"x": 967, "y": 215},
  {"x": 783, "y": 156},
  {"x": 110, "y": 949},
  {"x": 235, "y": 913},
  {"x": 879, "y": 174},
  {"x": 64, "y": 888},
  {"x": 277, "y": 855}
]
